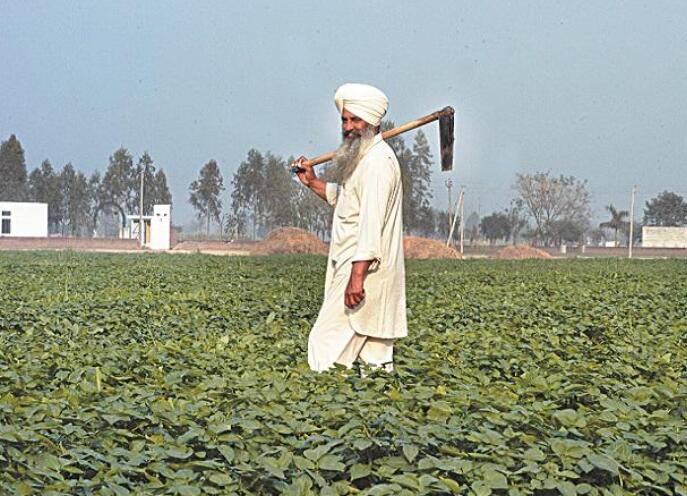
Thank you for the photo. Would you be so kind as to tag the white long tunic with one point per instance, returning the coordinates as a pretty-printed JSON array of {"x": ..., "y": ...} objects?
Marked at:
[{"x": 368, "y": 225}]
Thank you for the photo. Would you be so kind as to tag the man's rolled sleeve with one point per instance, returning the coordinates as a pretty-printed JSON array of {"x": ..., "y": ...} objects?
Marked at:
[{"x": 332, "y": 193}]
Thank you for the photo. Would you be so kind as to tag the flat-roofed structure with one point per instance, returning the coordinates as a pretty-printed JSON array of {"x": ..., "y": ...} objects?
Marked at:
[
  {"x": 156, "y": 227},
  {"x": 664, "y": 237},
  {"x": 23, "y": 219}
]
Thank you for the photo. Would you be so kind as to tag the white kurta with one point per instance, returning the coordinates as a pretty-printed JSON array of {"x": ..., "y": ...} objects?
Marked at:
[{"x": 367, "y": 225}]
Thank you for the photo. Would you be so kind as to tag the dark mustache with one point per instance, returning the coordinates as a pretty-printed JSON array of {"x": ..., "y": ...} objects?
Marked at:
[{"x": 352, "y": 133}]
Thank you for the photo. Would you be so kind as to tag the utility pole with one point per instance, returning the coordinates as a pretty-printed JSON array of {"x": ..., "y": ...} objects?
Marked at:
[
  {"x": 632, "y": 222},
  {"x": 140, "y": 207},
  {"x": 449, "y": 185},
  {"x": 462, "y": 219},
  {"x": 459, "y": 208}
]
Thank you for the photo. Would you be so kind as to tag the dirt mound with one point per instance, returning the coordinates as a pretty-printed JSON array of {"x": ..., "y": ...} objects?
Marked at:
[
  {"x": 416, "y": 247},
  {"x": 520, "y": 252},
  {"x": 290, "y": 240}
]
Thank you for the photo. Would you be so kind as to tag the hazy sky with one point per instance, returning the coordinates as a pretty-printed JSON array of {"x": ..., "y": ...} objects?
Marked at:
[{"x": 593, "y": 89}]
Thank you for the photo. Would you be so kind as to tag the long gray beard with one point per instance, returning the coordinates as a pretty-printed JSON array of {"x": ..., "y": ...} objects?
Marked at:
[{"x": 348, "y": 155}]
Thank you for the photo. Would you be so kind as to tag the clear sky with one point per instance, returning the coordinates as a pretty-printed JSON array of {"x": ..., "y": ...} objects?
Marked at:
[{"x": 595, "y": 89}]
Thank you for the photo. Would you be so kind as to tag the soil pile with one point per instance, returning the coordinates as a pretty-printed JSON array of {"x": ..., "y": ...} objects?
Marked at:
[
  {"x": 424, "y": 248},
  {"x": 291, "y": 240},
  {"x": 520, "y": 252}
]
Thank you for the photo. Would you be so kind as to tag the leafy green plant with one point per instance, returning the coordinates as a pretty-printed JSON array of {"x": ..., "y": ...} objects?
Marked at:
[{"x": 187, "y": 375}]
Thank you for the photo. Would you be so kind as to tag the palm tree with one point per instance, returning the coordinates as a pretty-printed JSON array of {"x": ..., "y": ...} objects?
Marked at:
[{"x": 617, "y": 221}]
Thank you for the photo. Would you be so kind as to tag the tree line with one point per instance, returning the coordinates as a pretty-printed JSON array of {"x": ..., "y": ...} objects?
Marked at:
[
  {"x": 547, "y": 210},
  {"x": 265, "y": 195},
  {"x": 80, "y": 205},
  {"x": 552, "y": 210}
]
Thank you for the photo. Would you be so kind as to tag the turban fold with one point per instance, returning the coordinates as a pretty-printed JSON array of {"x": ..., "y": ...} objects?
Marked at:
[{"x": 362, "y": 100}]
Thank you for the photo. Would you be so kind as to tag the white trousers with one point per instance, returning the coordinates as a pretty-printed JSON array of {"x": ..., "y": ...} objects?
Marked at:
[
  {"x": 333, "y": 340},
  {"x": 342, "y": 345}
]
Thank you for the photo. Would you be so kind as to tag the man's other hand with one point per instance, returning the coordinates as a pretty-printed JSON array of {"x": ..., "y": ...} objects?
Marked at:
[{"x": 355, "y": 293}]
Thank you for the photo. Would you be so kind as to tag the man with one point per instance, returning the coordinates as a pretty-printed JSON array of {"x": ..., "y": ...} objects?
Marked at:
[{"x": 364, "y": 307}]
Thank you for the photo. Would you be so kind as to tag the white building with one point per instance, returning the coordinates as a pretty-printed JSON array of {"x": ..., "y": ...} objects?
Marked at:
[
  {"x": 664, "y": 237},
  {"x": 157, "y": 228},
  {"x": 22, "y": 219}
]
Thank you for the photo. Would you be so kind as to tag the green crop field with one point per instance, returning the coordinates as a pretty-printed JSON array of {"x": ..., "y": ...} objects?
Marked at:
[{"x": 159, "y": 374}]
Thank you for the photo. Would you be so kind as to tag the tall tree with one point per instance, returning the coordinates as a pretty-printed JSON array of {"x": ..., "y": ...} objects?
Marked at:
[
  {"x": 45, "y": 187},
  {"x": 97, "y": 198},
  {"x": 428, "y": 219},
  {"x": 76, "y": 201},
  {"x": 565, "y": 231},
  {"x": 617, "y": 221},
  {"x": 421, "y": 195},
  {"x": 205, "y": 193},
  {"x": 549, "y": 199},
  {"x": 405, "y": 162},
  {"x": 155, "y": 189},
  {"x": 310, "y": 212},
  {"x": 471, "y": 225},
  {"x": 516, "y": 219},
  {"x": 120, "y": 182},
  {"x": 159, "y": 190},
  {"x": 144, "y": 166},
  {"x": 668, "y": 209},
  {"x": 107, "y": 217},
  {"x": 13, "y": 186},
  {"x": 247, "y": 198},
  {"x": 441, "y": 224},
  {"x": 278, "y": 193},
  {"x": 495, "y": 226}
]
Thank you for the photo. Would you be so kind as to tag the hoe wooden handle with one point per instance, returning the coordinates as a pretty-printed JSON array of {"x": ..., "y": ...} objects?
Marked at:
[{"x": 408, "y": 126}]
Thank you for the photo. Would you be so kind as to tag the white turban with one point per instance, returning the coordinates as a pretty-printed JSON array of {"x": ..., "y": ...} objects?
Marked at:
[{"x": 362, "y": 100}]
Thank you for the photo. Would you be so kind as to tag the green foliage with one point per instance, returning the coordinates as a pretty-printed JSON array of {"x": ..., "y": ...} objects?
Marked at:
[
  {"x": 421, "y": 164},
  {"x": 155, "y": 189},
  {"x": 247, "y": 198},
  {"x": 76, "y": 202},
  {"x": 516, "y": 219},
  {"x": 667, "y": 209},
  {"x": 565, "y": 231},
  {"x": 495, "y": 226},
  {"x": 158, "y": 374},
  {"x": 617, "y": 222},
  {"x": 310, "y": 212},
  {"x": 266, "y": 196},
  {"x": 120, "y": 182},
  {"x": 13, "y": 186},
  {"x": 405, "y": 162},
  {"x": 205, "y": 193},
  {"x": 159, "y": 190},
  {"x": 44, "y": 187},
  {"x": 549, "y": 200}
]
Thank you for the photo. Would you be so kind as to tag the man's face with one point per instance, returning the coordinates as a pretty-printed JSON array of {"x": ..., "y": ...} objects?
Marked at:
[{"x": 352, "y": 126}]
